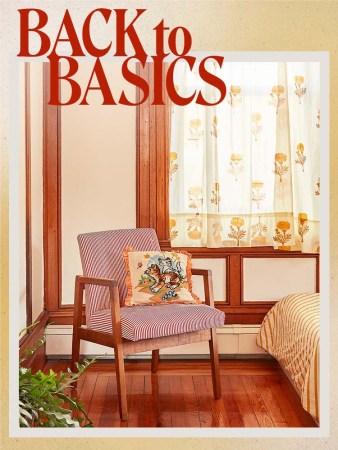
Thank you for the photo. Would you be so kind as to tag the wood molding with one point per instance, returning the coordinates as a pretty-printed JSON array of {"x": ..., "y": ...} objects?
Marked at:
[
  {"x": 28, "y": 195},
  {"x": 51, "y": 197},
  {"x": 38, "y": 360},
  {"x": 242, "y": 318},
  {"x": 219, "y": 252},
  {"x": 318, "y": 273},
  {"x": 235, "y": 280},
  {"x": 245, "y": 314},
  {"x": 64, "y": 315},
  {"x": 152, "y": 154}
]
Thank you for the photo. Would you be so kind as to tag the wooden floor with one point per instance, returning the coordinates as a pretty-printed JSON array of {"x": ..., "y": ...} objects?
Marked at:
[{"x": 255, "y": 393}]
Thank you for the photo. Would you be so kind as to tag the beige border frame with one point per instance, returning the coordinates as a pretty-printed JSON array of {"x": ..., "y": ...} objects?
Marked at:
[{"x": 246, "y": 26}]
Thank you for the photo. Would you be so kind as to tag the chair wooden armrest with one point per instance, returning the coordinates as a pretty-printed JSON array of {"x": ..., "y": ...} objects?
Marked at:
[
  {"x": 81, "y": 281},
  {"x": 207, "y": 281}
]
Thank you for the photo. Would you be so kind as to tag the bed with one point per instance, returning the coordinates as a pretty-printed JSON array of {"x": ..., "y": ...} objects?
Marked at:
[{"x": 290, "y": 332}]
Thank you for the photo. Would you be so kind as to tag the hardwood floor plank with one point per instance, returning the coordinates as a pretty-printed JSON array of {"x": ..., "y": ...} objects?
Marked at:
[
  {"x": 75, "y": 393},
  {"x": 178, "y": 413},
  {"x": 270, "y": 401},
  {"x": 56, "y": 366},
  {"x": 204, "y": 409},
  {"x": 87, "y": 390},
  {"x": 135, "y": 409},
  {"x": 243, "y": 402},
  {"x": 151, "y": 401},
  {"x": 110, "y": 410},
  {"x": 306, "y": 418},
  {"x": 256, "y": 401},
  {"x": 219, "y": 412},
  {"x": 190, "y": 401},
  {"x": 164, "y": 419},
  {"x": 235, "y": 416},
  {"x": 99, "y": 395},
  {"x": 290, "y": 411}
]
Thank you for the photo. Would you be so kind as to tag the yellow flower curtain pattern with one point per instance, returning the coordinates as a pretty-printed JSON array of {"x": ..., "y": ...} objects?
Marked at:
[{"x": 246, "y": 172}]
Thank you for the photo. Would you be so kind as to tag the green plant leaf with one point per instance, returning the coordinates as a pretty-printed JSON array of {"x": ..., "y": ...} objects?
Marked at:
[{"x": 43, "y": 398}]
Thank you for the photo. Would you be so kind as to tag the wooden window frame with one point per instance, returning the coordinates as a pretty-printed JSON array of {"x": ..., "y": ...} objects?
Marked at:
[{"x": 152, "y": 209}]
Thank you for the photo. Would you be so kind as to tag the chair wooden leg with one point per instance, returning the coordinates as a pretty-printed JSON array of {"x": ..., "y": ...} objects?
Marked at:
[
  {"x": 216, "y": 379},
  {"x": 121, "y": 382},
  {"x": 78, "y": 297},
  {"x": 154, "y": 360},
  {"x": 75, "y": 350},
  {"x": 75, "y": 354}
]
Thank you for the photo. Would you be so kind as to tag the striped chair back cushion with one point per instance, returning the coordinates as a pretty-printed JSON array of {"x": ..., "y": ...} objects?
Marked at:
[{"x": 102, "y": 256}]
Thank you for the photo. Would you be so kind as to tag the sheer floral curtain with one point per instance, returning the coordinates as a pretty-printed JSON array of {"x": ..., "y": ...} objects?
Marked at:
[{"x": 246, "y": 172}]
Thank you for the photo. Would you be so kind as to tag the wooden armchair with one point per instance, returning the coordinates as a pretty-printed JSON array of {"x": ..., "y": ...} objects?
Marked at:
[{"x": 130, "y": 330}]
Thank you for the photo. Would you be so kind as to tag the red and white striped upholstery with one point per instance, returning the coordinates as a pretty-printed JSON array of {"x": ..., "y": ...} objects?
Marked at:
[
  {"x": 102, "y": 257},
  {"x": 146, "y": 322}
]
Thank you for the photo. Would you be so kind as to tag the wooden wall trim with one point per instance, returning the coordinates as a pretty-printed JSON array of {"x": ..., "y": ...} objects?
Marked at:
[
  {"x": 64, "y": 315},
  {"x": 28, "y": 196},
  {"x": 38, "y": 360},
  {"x": 52, "y": 210},
  {"x": 152, "y": 154},
  {"x": 51, "y": 198},
  {"x": 267, "y": 252},
  {"x": 318, "y": 273}
]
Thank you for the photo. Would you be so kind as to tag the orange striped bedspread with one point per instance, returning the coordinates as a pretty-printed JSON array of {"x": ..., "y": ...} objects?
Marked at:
[{"x": 290, "y": 333}]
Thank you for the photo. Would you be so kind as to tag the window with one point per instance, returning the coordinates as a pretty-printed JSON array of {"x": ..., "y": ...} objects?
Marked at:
[
  {"x": 245, "y": 173},
  {"x": 157, "y": 162}
]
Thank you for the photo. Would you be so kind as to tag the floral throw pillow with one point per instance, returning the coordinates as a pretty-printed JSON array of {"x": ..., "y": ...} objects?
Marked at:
[{"x": 158, "y": 278}]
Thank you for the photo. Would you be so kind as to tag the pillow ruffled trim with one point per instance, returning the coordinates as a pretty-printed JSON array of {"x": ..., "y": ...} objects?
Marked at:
[{"x": 128, "y": 300}]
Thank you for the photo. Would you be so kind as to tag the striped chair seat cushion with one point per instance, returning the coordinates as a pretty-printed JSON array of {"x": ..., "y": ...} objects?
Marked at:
[{"x": 145, "y": 322}]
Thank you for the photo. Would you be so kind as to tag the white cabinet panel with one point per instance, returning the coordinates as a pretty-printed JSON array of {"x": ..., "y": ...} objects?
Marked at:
[
  {"x": 218, "y": 267},
  {"x": 232, "y": 340},
  {"x": 273, "y": 278}
]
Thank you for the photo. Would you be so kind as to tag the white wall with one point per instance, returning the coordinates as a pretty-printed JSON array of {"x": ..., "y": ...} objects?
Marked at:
[
  {"x": 37, "y": 188},
  {"x": 98, "y": 169}
]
